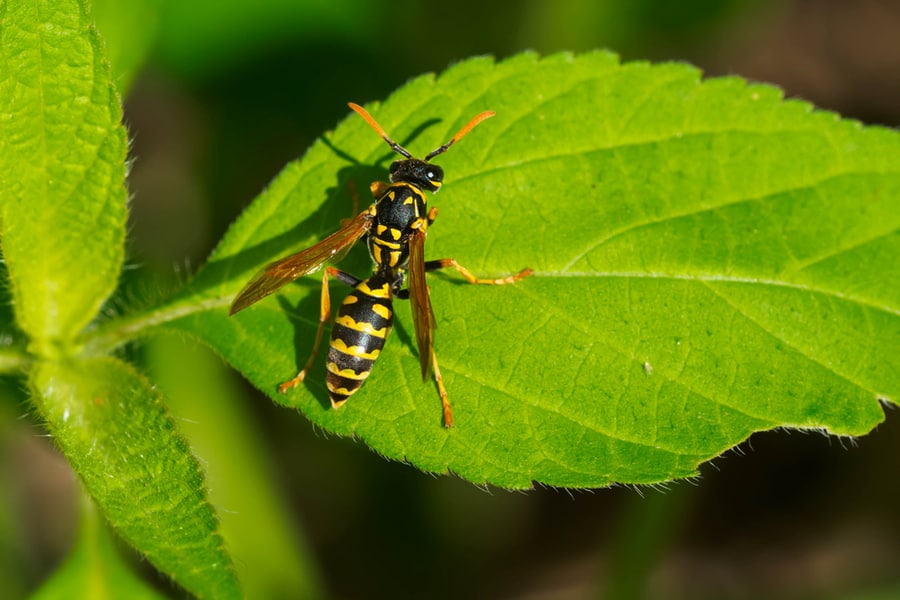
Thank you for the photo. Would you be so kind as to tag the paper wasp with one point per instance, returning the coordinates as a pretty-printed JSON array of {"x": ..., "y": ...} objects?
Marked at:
[{"x": 395, "y": 226}]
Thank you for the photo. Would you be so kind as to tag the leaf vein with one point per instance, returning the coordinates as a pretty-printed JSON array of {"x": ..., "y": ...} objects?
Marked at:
[
  {"x": 701, "y": 210},
  {"x": 702, "y": 278},
  {"x": 785, "y": 340}
]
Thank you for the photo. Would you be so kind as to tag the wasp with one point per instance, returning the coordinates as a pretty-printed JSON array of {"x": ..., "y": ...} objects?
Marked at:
[{"x": 395, "y": 226}]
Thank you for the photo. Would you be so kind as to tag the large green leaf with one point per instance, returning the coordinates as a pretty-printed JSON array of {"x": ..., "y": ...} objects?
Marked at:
[
  {"x": 62, "y": 169},
  {"x": 117, "y": 435},
  {"x": 711, "y": 260}
]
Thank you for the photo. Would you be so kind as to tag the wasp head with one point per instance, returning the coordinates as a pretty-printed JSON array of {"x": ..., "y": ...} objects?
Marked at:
[
  {"x": 412, "y": 170},
  {"x": 417, "y": 172}
]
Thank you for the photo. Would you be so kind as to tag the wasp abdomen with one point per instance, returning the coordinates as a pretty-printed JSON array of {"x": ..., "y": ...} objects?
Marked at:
[{"x": 360, "y": 329}]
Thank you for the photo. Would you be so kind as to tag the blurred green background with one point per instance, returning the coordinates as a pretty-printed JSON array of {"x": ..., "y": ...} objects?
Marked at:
[{"x": 219, "y": 95}]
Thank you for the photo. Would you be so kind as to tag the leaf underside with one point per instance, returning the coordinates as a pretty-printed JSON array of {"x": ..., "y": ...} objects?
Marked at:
[{"x": 711, "y": 260}]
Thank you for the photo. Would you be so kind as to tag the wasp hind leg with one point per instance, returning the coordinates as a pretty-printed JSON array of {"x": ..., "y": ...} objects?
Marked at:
[
  {"x": 324, "y": 317},
  {"x": 442, "y": 391}
]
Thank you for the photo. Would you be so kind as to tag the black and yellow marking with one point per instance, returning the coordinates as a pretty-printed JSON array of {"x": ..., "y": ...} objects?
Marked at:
[
  {"x": 360, "y": 330},
  {"x": 394, "y": 226},
  {"x": 401, "y": 208}
]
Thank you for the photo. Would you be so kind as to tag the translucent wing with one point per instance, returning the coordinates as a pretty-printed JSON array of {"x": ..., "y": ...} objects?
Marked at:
[
  {"x": 276, "y": 275},
  {"x": 423, "y": 315}
]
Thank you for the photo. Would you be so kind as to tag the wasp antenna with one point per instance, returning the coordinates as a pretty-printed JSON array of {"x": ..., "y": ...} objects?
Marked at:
[
  {"x": 374, "y": 125},
  {"x": 466, "y": 129}
]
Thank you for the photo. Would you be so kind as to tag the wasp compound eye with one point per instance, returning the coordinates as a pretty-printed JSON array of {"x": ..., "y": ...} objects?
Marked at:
[{"x": 435, "y": 173}]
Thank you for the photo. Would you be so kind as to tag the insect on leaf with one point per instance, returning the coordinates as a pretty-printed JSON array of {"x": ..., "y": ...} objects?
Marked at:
[{"x": 710, "y": 261}]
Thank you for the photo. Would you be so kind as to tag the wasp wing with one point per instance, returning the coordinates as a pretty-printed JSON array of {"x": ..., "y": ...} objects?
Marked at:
[
  {"x": 423, "y": 315},
  {"x": 277, "y": 274}
]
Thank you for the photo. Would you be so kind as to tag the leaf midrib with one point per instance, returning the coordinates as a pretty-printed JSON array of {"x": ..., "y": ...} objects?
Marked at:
[{"x": 718, "y": 278}]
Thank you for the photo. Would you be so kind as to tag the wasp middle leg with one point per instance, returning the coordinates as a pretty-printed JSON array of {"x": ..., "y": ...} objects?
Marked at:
[{"x": 443, "y": 263}]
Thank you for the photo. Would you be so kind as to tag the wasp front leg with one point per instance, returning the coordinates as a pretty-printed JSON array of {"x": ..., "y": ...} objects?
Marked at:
[{"x": 379, "y": 188}]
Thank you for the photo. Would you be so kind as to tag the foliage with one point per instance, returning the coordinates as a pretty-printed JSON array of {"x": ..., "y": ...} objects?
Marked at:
[{"x": 702, "y": 261}]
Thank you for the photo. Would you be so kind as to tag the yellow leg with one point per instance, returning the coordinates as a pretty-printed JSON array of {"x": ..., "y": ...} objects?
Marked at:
[
  {"x": 324, "y": 316},
  {"x": 432, "y": 215},
  {"x": 443, "y": 263},
  {"x": 378, "y": 188},
  {"x": 445, "y": 399}
]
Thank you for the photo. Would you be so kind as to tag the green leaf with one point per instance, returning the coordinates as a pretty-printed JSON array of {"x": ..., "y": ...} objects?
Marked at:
[
  {"x": 62, "y": 169},
  {"x": 95, "y": 568},
  {"x": 711, "y": 260},
  {"x": 117, "y": 435},
  {"x": 269, "y": 558}
]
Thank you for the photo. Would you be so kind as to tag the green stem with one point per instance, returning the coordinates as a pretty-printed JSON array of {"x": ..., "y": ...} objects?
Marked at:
[
  {"x": 14, "y": 359},
  {"x": 112, "y": 334}
]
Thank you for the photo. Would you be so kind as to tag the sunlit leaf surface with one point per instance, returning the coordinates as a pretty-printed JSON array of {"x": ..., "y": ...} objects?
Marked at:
[
  {"x": 711, "y": 260},
  {"x": 62, "y": 169}
]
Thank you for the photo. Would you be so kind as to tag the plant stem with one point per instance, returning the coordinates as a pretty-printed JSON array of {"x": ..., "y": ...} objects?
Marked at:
[
  {"x": 14, "y": 359},
  {"x": 112, "y": 334}
]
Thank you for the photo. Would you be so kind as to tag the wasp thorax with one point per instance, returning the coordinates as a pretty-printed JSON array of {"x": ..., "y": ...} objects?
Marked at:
[{"x": 417, "y": 172}]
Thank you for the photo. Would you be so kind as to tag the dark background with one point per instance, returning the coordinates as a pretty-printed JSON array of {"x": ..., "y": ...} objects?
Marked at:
[{"x": 228, "y": 94}]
